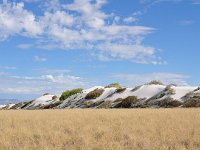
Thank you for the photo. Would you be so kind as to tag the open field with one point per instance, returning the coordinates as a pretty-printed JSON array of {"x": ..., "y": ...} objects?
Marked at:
[{"x": 86, "y": 129}]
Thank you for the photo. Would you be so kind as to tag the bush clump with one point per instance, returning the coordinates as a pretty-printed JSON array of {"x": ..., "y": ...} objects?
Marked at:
[
  {"x": 155, "y": 82},
  {"x": 54, "y": 97},
  {"x": 115, "y": 85},
  {"x": 127, "y": 102},
  {"x": 169, "y": 90},
  {"x": 105, "y": 105},
  {"x": 69, "y": 93},
  {"x": 193, "y": 102},
  {"x": 169, "y": 103},
  {"x": 88, "y": 104},
  {"x": 120, "y": 90},
  {"x": 94, "y": 94}
]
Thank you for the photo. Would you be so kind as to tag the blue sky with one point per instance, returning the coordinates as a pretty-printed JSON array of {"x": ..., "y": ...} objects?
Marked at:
[{"x": 54, "y": 45}]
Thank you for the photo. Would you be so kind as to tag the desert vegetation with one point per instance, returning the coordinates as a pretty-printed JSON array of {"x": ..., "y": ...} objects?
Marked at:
[
  {"x": 99, "y": 129},
  {"x": 69, "y": 93},
  {"x": 125, "y": 103},
  {"x": 156, "y": 82},
  {"x": 120, "y": 90},
  {"x": 94, "y": 94},
  {"x": 153, "y": 95},
  {"x": 113, "y": 85}
]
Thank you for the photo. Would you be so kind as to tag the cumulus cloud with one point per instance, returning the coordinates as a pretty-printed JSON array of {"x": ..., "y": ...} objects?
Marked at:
[
  {"x": 17, "y": 20},
  {"x": 130, "y": 19},
  {"x": 165, "y": 77},
  {"x": 81, "y": 25}
]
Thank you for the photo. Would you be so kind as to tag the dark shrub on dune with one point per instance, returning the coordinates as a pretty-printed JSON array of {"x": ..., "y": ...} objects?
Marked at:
[
  {"x": 125, "y": 103},
  {"x": 120, "y": 90},
  {"x": 193, "y": 102},
  {"x": 69, "y": 93},
  {"x": 94, "y": 94},
  {"x": 115, "y": 85}
]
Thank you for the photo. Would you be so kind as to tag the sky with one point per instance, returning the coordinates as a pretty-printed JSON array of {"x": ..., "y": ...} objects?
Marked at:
[{"x": 55, "y": 45}]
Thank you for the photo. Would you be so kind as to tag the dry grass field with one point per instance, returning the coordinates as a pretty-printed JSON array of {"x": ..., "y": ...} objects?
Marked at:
[{"x": 86, "y": 129}]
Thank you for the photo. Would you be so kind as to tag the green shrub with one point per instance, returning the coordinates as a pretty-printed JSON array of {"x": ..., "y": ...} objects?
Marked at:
[
  {"x": 174, "y": 103},
  {"x": 196, "y": 96},
  {"x": 192, "y": 103},
  {"x": 116, "y": 85},
  {"x": 88, "y": 104},
  {"x": 156, "y": 82},
  {"x": 69, "y": 93},
  {"x": 169, "y": 103},
  {"x": 54, "y": 97},
  {"x": 169, "y": 90},
  {"x": 105, "y": 105},
  {"x": 94, "y": 94},
  {"x": 127, "y": 102},
  {"x": 120, "y": 90}
]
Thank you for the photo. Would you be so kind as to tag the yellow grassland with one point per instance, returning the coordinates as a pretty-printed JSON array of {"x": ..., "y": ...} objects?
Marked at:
[{"x": 100, "y": 129}]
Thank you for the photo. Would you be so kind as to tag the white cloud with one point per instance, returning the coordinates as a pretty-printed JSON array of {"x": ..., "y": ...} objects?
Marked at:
[
  {"x": 186, "y": 22},
  {"x": 24, "y": 46},
  {"x": 17, "y": 20},
  {"x": 124, "y": 51},
  {"x": 8, "y": 67},
  {"x": 39, "y": 59},
  {"x": 31, "y": 1},
  {"x": 52, "y": 71},
  {"x": 174, "y": 1},
  {"x": 81, "y": 24},
  {"x": 54, "y": 84},
  {"x": 197, "y": 2},
  {"x": 130, "y": 19},
  {"x": 165, "y": 77}
]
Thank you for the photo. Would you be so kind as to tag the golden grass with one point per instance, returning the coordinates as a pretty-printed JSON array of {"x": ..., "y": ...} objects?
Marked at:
[{"x": 86, "y": 129}]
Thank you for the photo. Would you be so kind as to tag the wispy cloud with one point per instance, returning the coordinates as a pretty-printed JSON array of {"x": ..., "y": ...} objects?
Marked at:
[
  {"x": 8, "y": 67},
  {"x": 165, "y": 77},
  {"x": 174, "y": 1},
  {"x": 52, "y": 71},
  {"x": 24, "y": 46},
  {"x": 186, "y": 22},
  {"x": 39, "y": 59},
  {"x": 71, "y": 26},
  {"x": 197, "y": 2},
  {"x": 54, "y": 84}
]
